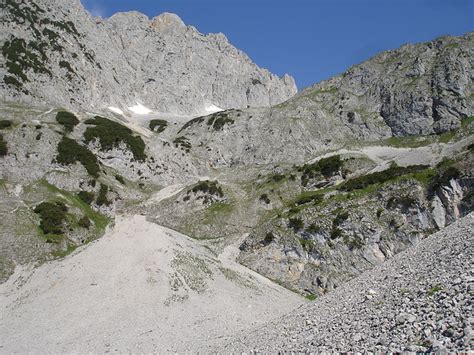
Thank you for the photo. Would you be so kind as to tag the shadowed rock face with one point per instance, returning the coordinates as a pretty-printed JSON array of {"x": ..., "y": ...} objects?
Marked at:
[{"x": 81, "y": 61}]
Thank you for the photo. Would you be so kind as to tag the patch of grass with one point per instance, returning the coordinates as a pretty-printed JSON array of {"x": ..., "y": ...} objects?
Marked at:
[
  {"x": 408, "y": 141},
  {"x": 3, "y": 146},
  {"x": 53, "y": 216},
  {"x": 393, "y": 172},
  {"x": 465, "y": 122},
  {"x": 5, "y": 124},
  {"x": 69, "y": 152},
  {"x": 311, "y": 296},
  {"x": 110, "y": 134},
  {"x": 313, "y": 198},
  {"x": 446, "y": 137},
  {"x": 434, "y": 290},
  {"x": 158, "y": 126},
  {"x": 67, "y": 119}
]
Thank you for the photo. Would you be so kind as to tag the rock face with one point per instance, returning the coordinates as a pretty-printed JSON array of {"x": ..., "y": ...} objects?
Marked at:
[
  {"x": 417, "y": 89},
  {"x": 418, "y": 301},
  {"x": 55, "y": 52}
]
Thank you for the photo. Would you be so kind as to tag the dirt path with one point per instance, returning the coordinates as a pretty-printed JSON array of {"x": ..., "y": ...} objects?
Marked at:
[{"x": 140, "y": 288}]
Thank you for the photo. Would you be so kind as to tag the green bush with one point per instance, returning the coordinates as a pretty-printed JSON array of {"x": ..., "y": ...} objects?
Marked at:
[
  {"x": 67, "y": 119},
  {"x": 102, "y": 198},
  {"x": 296, "y": 224},
  {"x": 86, "y": 196},
  {"x": 69, "y": 152},
  {"x": 110, "y": 134},
  {"x": 313, "y": 229},
  {"x": 53, "y": 215},
  {"x": 265, "y": 198},
  {"x": 208, "y": 187},
  {"x": 326, "y": 167},
  {"x": 219, "y": 120},
  {"x": 315, "y": 199},
  {"x": 84, "y": 222},
  {"x": 183, "y": 143},
  {"x": 158, "y": 126},
  {"x": 3, "y": 147},
  {"x": 364, "y": 181},
  {"x": 190, "y": 123},
  {"x": 120, "y": 179},
  {"x": 5, "y": 124},
  {"x": 341, "y": 217}
]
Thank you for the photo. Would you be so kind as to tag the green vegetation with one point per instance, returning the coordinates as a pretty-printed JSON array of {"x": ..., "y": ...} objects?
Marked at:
[
  {"x": 446, "y": 137},
  {"x": 84, "y": 222},
  {"x": 296, "y": 224},
  {"x": 183, "y": 143},
  {"x": 307, "y": 244},
  {"x": 120, "y": 179},
  {"x": 5, "y": 124},
  {"x": 325, "y": 166},
  {"x": 443, "y": 177},
  {"x": 434, "y": 290},
  {"x": 208, "y": 187},
  {"x": 67, "y": 119},
  {"x": 53, "y": 216},
  {"x": 102, "y": 198},
  {"x": 466, "y": 122},
  {"x": 191, "y": 122},
  {"x": 110, "y": 134},
  {"x": 276, "y": 177},
  {"x": 3, "y": 146},
  {"x": 311, "y": 198},
  {"x": 364, "y": 181},
  {"x": 158, "y": 126},
  {"x": 69, "y": 152},
  {"x": 265, "y": 198},
  {"x": 311, "y": 296},
  {"x": 87, "y": 197},
  {"x": 219, "y": 120},
  {"x": 313, "y": 229},
  {"x": 269, "y": 237}
]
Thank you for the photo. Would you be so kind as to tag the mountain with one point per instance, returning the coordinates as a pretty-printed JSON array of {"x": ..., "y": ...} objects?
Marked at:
[
  {"x": 55, "y": 52},
  {"x": 305, "y": 191}
]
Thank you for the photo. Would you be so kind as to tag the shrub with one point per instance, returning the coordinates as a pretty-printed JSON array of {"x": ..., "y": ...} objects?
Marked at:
[
  {"x": 5, "y": 124},
  {"x": 277, "y": 177},
  {"x": 102, "y": 198},
  {"x": 69, "y": 152},
  {"x": 3, "y": 147},
  {"x": 53, "y": 215},
  {"x": 219, "y": 120},
  {"x": 208, "y": 187},
  {"x": 269, "y": 237},
  {"x": 110, "y": 134},
  {"x": 315, "y": 199},
  {"x": 325, "y": 166},
  {"x": 86, "y": 196},
  {"x": 120, "y": 179},
  {"x": 296, "y": 224},
  {"x": 190, "y": 123},
  {"x": 183, "y": 143},
  {"x": 67, "y": 119},
  {"x": 341, "y": 217},
  {"x": 336, "y": 233},
  {"x": 313, "y": 229},
  {"x": 364, "y": 181},
  {"x": 84, "y": 222},
  {"x": 265, "y": 198},
  {"x": 160, "y": 125}
]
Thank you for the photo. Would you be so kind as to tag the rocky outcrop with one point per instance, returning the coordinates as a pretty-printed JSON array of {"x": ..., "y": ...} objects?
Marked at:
[
  {"x": 418, "y": 301},
  {"x": 68, "y": 58}
]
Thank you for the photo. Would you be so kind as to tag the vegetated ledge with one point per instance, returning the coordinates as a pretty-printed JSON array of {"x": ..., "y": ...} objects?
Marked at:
[
  {"x": 110, "y": 134},
  {"x": 69, "y": 152}
]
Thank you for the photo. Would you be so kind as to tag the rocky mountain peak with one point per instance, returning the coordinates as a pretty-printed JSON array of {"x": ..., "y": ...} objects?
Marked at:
[{"x": 167, "y": 20}]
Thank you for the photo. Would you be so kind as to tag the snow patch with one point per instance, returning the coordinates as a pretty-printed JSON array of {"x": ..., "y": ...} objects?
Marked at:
[
  {"x": 115, "y": 110},
  {"x": 213, "y": 108},
  {"x": 139, "y": 109}
]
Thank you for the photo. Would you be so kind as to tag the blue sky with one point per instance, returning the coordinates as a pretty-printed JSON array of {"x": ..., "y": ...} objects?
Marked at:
[{"x": 310, "y": 39}]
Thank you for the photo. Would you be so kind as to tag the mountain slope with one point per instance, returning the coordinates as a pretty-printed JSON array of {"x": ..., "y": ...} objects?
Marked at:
[
  {"x": 417, "y": 301},
  {"x": 55, "y": 52}
]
